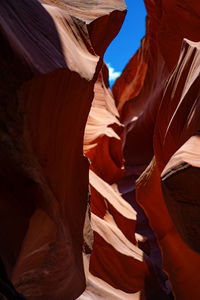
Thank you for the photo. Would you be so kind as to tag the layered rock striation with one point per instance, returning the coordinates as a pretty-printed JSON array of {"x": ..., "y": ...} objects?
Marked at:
[
  {"x": 75, "y": 157},
  {"x": 158, "y": 99},
  {"x": 51, "y": 54}
]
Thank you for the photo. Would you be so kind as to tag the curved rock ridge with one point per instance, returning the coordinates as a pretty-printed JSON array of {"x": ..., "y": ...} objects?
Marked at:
[
  {"x": 179, "y": 108},
  {"x": 158, "y": 100},
  {"x": 50, "y": 60},
  {"x": 103, "y": 113},
  {"x": 103, "y": 133},
  {"x": 103, "y": 18},
  {"x": 73, "y": 37},
  {"x": 177, "y": 135},
  {"x": 168, "y": 23},
  {"x": 117, "y": 269},
  {"x": 74, "y": 155},
  {"x": 88, "y": 11},
  {"x": 174, "y": 250}
]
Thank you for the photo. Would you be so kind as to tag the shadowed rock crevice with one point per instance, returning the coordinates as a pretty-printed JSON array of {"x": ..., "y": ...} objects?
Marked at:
[{"x": 78, "y": 161}]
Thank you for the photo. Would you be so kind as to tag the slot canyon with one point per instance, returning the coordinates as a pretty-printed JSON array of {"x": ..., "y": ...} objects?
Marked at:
[{"x": 99, "y": 188}]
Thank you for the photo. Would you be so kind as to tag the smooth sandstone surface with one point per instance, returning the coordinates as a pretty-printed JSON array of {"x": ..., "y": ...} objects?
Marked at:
[
  {"x": 75, "y": 156},
  {"x": 50, "y": 59},
  {"x": 158, "y": 99}
]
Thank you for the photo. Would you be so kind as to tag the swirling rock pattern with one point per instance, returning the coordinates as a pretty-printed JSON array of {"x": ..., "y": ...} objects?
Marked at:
[
  {"x": 73, "y": 153},
  {"x": 158, "y": 99},
  {"x": 51, "y": 53}
]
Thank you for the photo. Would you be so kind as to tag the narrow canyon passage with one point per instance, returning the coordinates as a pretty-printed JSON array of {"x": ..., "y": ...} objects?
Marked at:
[{"x": 99, "y": 189}]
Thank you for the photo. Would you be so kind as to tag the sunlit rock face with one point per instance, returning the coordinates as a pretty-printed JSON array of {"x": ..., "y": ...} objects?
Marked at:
[
  {"x": 117, "y": 268},
  {"x": 74, "y": 155},
  {"x": 120, "y": 266},
  {"x": 51, "y": 53},
  {"x": 158, "y": 100}
]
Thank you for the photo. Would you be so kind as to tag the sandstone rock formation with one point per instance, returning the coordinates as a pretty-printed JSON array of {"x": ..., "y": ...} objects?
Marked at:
[
  {"x": 74, "y": 155},
  {"x": 51, "y": 54},
  {"x": 158, "y": 99},
  {"x": 117, "y": 268}
]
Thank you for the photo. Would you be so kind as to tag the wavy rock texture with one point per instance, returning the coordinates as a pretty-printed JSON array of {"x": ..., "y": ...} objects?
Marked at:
[
  {"x": 59, "y": 118},
  {"x": 51, "y": 53},
  {"x": 117, "y": 268},
  {"x": 158, "y": 99}
]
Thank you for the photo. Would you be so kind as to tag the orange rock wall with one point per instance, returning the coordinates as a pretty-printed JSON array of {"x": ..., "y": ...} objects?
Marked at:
[{"x": 158, "y": 99}]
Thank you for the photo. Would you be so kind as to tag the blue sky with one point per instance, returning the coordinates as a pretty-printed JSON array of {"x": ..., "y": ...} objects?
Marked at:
[{"x": 128, "y": 40}]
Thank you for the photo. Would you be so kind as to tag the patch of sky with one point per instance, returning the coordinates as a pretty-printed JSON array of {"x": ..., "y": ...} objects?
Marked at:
[{"x": 127, "y": 41}]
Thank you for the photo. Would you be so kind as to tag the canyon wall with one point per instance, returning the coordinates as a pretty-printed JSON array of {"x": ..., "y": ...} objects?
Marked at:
[
  {"x": 99, "y": 190},
  {"x": 157, "y": 96},
  {"x": 51, "y": 54}
]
